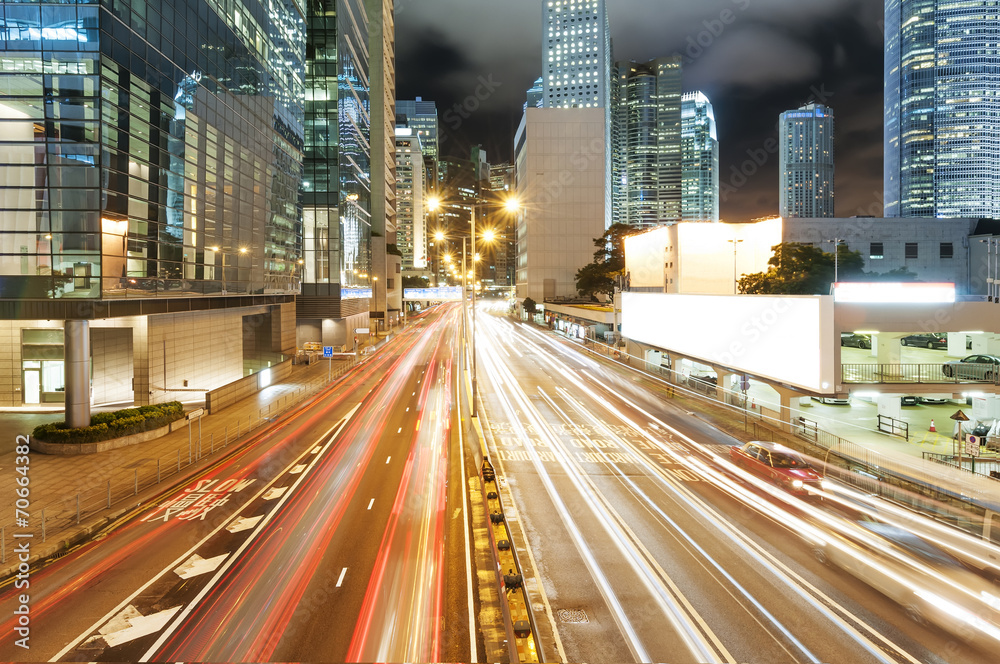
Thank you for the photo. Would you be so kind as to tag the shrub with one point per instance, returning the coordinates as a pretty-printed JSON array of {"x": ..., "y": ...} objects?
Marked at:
[
  {"x": 102, "y": 418},
  {"x": 104, "y": 426}
]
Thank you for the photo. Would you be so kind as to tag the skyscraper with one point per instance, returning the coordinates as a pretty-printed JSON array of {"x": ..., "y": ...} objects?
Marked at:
[
  {"x": 576, "y": 54},
  {"x": 647, "y": 127},
  {"x": 146, "y": 164},
  {"x": 422, "y": 117},
  {"x": 699, "y": 159},
  {"x": 942, "y": 114},
  {"x": 805, "y": 153},
  {"x": 411, "y": 185},
  {"x": 534, "y": 95}
]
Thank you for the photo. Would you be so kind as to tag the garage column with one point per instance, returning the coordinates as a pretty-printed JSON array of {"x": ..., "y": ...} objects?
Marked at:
[
  {"x": 77, "y": 373},
  {"x": 887, "y": 348},
  {"x": 787, "y": 398}
]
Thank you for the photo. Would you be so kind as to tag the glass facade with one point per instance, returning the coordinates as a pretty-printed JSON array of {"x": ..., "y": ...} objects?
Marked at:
[
  {"x": 150, "y": 149},
  {"x": 699, "y": 159},
  {"x": 942, "y": 112},
  {"x": 805, "y": 162},
  {"x": 411, "y": 224},
  {"x": 337, "y": 168}
]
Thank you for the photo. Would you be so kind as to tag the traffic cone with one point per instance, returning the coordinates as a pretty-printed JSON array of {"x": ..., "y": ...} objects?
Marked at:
[{"x": 932, "y": 427}]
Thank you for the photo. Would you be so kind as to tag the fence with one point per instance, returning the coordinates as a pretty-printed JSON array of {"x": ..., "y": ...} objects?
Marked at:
[
  {"x": 121, "y": 485},
  {"x": 954, "y": 372}
]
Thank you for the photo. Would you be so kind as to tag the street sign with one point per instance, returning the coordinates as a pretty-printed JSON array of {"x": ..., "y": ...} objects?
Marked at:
[
  {"x": 195, "y": 414},
  {"x": 328, "y": 351},
  {"x": 972, "y": 445},
  {"x": 745, "y": 382},
  {"x": 362, "y": 330}
]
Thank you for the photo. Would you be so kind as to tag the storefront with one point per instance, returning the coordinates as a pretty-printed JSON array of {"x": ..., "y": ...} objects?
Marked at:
[{"x": 42, "y": 374}]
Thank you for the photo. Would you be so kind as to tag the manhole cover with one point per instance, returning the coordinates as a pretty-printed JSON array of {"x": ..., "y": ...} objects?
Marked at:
[{"x": 572, "y": 616}]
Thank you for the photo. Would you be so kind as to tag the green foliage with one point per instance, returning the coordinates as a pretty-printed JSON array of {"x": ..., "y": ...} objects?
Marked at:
[
  {"x": 104, "y": 426},
  {"x": 411, "y": 281},
  {"x": 394, "y": 250},
  {"x": 801, "y": 269},
  {"x": 530, "y": 306},
  {"x": 609, "y": 261}
]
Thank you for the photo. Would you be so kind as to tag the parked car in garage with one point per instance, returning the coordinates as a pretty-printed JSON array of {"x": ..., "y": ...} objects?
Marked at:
[
  {"x": 855, "y": 340},
  {"x": 927, "y": 340},
  {"x": 973, "y": 367},
  {"x": 932, "y": 400},
  {"x": 778, "y": 464}
]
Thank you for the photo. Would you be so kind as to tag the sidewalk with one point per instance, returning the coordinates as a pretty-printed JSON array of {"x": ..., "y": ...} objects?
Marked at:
[{"x": 64, "y": 486}]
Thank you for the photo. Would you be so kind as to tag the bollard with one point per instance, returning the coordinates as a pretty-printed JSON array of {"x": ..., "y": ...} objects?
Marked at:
[
  {"x": 135, "y": 490},
  {"x": 178, "y": 459},
  {"x": 109, "y": 494},
  {"x": 78, "y": 509},
  {"x": 211, "y": 439},
  {"x": 157, "y": 470},
  {"x": 43, "y": 524}
]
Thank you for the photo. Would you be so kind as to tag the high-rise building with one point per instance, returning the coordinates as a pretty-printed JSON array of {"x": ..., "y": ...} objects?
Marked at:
[
  {"x": 647, "y": 127},
  {"x": 411, "y": 226},
  {"x": 146, "y": 172},
  {"x": 576, "y": 54},
  {"x": 422, "y": 117},
  {"x": 805, "y": 162},
  {"x": 336, "y": 194},
  {"x": 504, "y": 226},
  {"x": 535, "y": 95},
  {"x": 942, "y": 114},
  {"x": 699, "y": 159}
]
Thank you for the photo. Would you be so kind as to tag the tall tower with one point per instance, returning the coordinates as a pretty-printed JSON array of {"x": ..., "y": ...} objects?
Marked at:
[
  {"x": 699, "y": 159},
  {"x": 647, "y": 129},
  {"x": 422, "y": 118},
  {"x": 576, "y": 54},
  {"x": 942, "y": 114},
  {"x": 805, "y": 164}
]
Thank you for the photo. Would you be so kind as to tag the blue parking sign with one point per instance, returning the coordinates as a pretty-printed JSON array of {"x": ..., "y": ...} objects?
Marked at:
[{"x": 327, "y": 351}]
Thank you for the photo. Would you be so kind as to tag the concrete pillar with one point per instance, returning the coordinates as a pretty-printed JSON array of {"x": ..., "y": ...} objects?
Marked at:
[
  {"x": 77, "y": 373},
  {"x": 887, "y": 347},
  {"x": 788, "y": 399}
]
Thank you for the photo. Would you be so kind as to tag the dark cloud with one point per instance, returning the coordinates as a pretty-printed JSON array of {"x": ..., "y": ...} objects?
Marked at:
[{"x": 753, "y": 58}]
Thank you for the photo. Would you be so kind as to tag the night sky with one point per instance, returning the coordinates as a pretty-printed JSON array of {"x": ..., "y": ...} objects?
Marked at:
[{"x": 753, "y": 58}]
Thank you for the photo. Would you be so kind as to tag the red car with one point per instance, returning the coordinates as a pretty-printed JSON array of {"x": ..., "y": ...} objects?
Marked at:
[{"x": 778, "y": 464}]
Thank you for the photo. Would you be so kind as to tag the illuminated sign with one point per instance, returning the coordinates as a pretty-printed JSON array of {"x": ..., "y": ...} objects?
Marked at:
[
  {"x": 355, "y": 293},
  {"x": 439, "y": 293},
  {"x": 894, "y": 292}
]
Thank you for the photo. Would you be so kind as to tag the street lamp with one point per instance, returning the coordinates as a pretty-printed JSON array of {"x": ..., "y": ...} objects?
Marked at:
[
  {"x": 836, "y": 258},
  {"x": 375, "y": 294},
  {"x": 736, "y": 281}
]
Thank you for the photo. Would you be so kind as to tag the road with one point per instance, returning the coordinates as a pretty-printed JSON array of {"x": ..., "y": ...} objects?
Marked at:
[
  {"x": 337, "y": 536},
  {"x": 647, "y": 545}
]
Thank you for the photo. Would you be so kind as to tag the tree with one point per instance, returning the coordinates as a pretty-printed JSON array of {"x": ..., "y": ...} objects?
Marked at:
[
  {"x": 412, "y": 281},
  {"x": 609, "y": 261},
  {"x": 530, "y": 306},
  {"x": 802, "y": 269}
]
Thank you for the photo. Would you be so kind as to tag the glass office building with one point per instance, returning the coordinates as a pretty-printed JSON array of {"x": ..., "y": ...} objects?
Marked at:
[
  {"x": 942, "y": 112},
  {"x": 150, "y": 149},
  {"x": 699, "y": 159},
  {"x": 805, "y": 162}
]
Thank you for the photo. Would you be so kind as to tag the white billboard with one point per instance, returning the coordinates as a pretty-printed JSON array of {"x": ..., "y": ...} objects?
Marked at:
[{"x": 788, "y": 339}]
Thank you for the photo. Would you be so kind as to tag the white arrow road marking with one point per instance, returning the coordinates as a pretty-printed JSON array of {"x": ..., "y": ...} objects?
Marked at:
[
  {"x": 197, "y": 565},
  {"x": 315, "y": 450},
  {"x": 243, "y": 523},
  {"x": 129, "y": 625},
  {"x": 297, "y": 469},
  {"x": 95, "y": 627},
  {"x": 275, "y": 492}
]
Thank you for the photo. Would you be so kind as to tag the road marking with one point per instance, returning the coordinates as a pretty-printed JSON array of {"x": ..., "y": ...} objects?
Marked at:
[
  {"x": 400, "y": 430},
  {"x": 316, "y": 450},
  {"x": 340, "y": 579},
  {"x": 243, "y": 523},
  {"x": 130, "y": 625},
  {"x": 275, "y": 493},
  {"x": 196, "y": 565},
  {"x": 297, "y": 469},
  {"x": 370, "y": 503},
  {"x": 387, "y": 459},
  {"x": 407, "y": 409}
]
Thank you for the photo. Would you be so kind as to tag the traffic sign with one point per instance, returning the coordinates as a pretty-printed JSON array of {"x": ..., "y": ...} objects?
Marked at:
[
  {"x": 328, "y": 351},
  {"x": 745, "y": 382},
  {"x": 972, "y": 445}
]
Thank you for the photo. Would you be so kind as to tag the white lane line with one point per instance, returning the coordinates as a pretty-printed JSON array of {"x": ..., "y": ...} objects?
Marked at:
[
  {"x": 407, "y": 409},
  {"x": 340, "y": 579},
  {"x": 414, "y": 394},
  {"x": 196, "y": 566},
  {"x": 104, "y": 619},
  {"x": 243, "y": 523},
  {"x": 297, "y": 469},
  {"x": 211, "y": 583},
  {"x": 129, "y": 625},
  {"x": 276, "y": 492},
  {"x": 387, "y": 459},
  {"x": 315, "y": 450},
  {"x": 468, "y": 554},
  {"x": 370, "y": 503},
  {"x": 400, "y": 430}
]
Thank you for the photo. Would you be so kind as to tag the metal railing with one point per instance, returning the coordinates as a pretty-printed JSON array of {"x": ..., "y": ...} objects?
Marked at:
[
  {"x": 920, "y": 373},
  {"x": 114, "y": 487},
  {"x": 894, "y": 427}
]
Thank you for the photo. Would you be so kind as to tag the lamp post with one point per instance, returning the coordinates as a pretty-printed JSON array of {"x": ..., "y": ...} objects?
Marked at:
[
  {"x": 736, "y": 280},
  {"x": 375, "y": 294},
  {"x": 836, "y": 258}
]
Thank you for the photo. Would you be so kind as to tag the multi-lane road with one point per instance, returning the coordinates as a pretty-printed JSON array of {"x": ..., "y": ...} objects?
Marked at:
[
  {"x": 338, "y": 536},
  {"x": 646, "y": 544}
]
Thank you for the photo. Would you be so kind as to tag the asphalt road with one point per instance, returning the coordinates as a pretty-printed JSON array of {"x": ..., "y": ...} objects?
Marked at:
[
  {"x": 338, "y": 536},
  {"x": 648, "y": 546}
]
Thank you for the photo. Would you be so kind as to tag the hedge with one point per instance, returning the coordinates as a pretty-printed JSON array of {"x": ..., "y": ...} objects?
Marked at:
[{"x": 104, "y": 426}]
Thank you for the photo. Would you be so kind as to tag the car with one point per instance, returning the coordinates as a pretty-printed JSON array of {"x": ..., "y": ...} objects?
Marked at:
[
  {"x": 932, "y": 400},
  {"x": 908, "y": 401},
  {"x": 973, "y": 367},
  {"x": 926, "y": 339},
  {"x": 778, "y": 464},
  {"x": 856, "y": 340},
  {"x": 833, "y": 401},
  {"x": 928, "y": 583}
]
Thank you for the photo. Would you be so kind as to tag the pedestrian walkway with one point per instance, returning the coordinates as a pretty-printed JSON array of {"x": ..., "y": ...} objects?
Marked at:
[{"x": 72, "y": 496}]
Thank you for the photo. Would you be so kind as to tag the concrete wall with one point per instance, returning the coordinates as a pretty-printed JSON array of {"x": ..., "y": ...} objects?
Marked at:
[
  {"x": 112, "y": 364},
  {"x": 227, "y": 395},
  {"x": 561, "y": 183}
]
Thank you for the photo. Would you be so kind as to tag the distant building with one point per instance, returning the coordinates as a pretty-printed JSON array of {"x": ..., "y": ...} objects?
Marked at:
[
  {"x": 505, "y": 226},
  {"x": 556, "y": 231},
  {"x": 805, "y": 138},
  {"x": 422, "y": 117},
  {"x": 576, "y": 54},
  {"x": 411, "y": 185},
  {"x": 699, "y": 159},
  {"x": 942, "y": 69},
  {"x": 535, "y": 96},
  {"x": 647, "y": 129}
]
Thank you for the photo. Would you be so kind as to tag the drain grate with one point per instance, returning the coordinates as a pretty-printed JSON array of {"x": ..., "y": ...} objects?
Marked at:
[{"x": 573, "y": 616}]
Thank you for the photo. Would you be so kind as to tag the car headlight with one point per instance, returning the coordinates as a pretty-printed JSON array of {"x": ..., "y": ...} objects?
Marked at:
[{"x": 796, "y": 484}]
